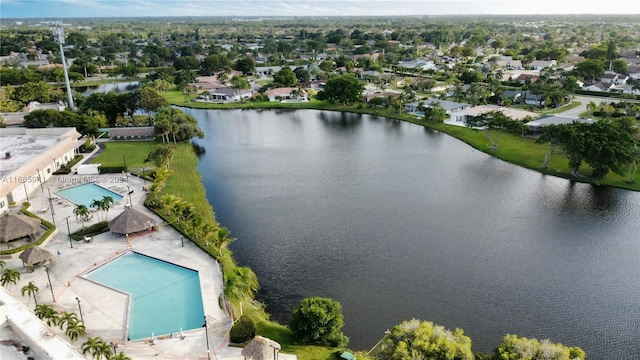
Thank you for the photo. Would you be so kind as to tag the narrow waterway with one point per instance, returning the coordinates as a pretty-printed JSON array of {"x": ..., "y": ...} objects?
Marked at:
[{"x": 398, "y": 222}]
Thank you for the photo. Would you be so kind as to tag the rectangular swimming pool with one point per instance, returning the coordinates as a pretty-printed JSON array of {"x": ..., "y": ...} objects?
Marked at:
[
  {"x": 85, "y": 194},
  {"x": 164, "y": 297}
]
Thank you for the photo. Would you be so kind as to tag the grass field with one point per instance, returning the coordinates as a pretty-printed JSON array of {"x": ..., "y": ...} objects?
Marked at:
[{"x": 133, "y": 152}]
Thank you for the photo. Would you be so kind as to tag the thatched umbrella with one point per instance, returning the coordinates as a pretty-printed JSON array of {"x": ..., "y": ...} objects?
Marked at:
[
  {"x": 34, "y": 255},
  {"x": 130, "y": 221},
  {"x": 261, "y": 348},
  {"x": 16, "y": 226}
]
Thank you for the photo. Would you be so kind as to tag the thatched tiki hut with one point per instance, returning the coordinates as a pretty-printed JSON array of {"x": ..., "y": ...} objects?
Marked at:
[
  {"x": 261, "y": 348},
  {"x": 130, "y": 221},
  {"x": 34, "y": 256},
  {"x": 16, "y": 226}
]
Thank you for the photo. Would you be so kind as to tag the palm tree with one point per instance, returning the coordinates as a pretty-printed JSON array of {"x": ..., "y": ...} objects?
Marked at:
[
  {"x": 98, "y": 348},
  {"x": 2, "y": 264},
  {"x": 81, "y": 212},
  {"x": 9, "y": 277},
  {"x": 222, "y": 239},
  {"x": 75, "y": 330},
  {"x": 107, "y": 203},
  {"x": 67, "y": 319},
  {"x": 166, "y": 201},
  {"x": 120, "y": 356},
  {"x": 591, "y": 106},
  {"x": 31, "y": 290},
  {"x": 47, "y": 313},
  {"x": 97, "y": 204}
]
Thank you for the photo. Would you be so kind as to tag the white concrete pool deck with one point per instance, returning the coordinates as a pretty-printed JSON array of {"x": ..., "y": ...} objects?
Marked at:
[{"x": 105, "y": 310}]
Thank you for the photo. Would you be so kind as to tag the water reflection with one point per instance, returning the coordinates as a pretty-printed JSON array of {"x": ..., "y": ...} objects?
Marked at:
[{"x": 395, "y": 224}]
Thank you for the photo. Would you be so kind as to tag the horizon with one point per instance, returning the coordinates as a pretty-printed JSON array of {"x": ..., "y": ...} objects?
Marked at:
[{"x": 90, "y": 9}]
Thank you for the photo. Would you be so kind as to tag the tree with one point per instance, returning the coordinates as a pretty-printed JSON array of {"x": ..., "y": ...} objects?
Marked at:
[
  {"x": 214, "y": 63},
  {"x": 67, "y": 318},
  {"x": 435, "y": 112},
  {"x": 319, "y": 320},
  {"x": 75, "y": 329},
  {"x": 31, "y": 290},
  {"x": 517, "y": 348},
  {"x": 9, "y": 277},
  {"x": 239, "y": 83},
  {"x": 97, "y": 348},
  {"x": 415, "y": 339},
  {"x": 82, "y": 213},
  {"x": 302, "y": 75},
  {"x": 161, "y": 156},
  {"x": 245, "y": 64},
  {"x": 589, "y": 69},
  {"x": 47, "y": 313},
  {"x": 344, "y": 89},
  {"x": 492, "y": 121},
  {"x": 150, "y": 100},
  {"x": 286, "y": 77},
  {"x": 120, "y": 356}
]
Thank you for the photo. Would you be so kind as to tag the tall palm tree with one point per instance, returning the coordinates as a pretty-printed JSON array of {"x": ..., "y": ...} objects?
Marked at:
[
  {"x": 97, "y": 204},
  {"x": 9, "y": 277},
  {"x": 107, "y": 203},
  {"x": 82, "y": 213},
  {"x": 98, "y": 348},
  {"x": 75, "y": 330},
  {"x": 47, "y": 313},
  {"x": 591, "y": 106},
  {"x": 222, "y": 238},
  {"x": 31, "y": 290},
  {"x": 67, "y": 319}
]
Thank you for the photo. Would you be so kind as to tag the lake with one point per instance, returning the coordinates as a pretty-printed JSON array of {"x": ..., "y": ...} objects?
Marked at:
[{"x": 398, "y": 222}]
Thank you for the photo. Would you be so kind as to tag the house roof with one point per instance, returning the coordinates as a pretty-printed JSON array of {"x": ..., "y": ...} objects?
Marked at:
[
  {"x": 281, "y": 91},
  {"x": 446, "y": 104},
  {"x": 509, "y": 112},
  {"x": 556, "y": 120}
]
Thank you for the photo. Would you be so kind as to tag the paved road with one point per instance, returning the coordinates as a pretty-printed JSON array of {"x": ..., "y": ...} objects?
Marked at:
[{"x": 584, "y": 100}]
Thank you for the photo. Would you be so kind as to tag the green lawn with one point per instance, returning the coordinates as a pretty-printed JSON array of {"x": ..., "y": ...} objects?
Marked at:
[{"x": 133, "y": 152}]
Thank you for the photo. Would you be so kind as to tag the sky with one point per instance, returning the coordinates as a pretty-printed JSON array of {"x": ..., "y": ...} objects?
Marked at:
[{"x": 157, "y": 8}]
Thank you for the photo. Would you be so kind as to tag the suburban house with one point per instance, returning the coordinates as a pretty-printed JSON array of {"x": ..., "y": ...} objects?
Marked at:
[
  {"x": 460, "y": 117},
  {"x": 523, "y": 78},
  {"x": 507, "y": 62},
  {"x": 229, "y": 94},
  {"x": 523, "y": 97},
  {"x": 285, "y": 95},
  {"x": 611, "y": 77},
  {"x": 541, "y": 64},
  {"x": 598, "y": 86},
  {"x": 448, "y": 106},
  {"x": 534, "y": 128}
]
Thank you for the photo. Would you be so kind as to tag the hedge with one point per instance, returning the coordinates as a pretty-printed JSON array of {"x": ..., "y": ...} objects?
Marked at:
[
  {"x": 91, "y": 230},
  {"x": 111, "y": 169}
]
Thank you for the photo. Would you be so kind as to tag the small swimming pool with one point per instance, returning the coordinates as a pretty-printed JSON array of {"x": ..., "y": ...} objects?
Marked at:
[
  {"x": 164, "y": 297},
  {"x": 85, "y": 194}
]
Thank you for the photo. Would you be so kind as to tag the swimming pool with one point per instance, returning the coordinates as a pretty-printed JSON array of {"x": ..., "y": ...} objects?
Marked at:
[
  {"x": 164, "y": 297},
  {"x": 85, "y": 194}
]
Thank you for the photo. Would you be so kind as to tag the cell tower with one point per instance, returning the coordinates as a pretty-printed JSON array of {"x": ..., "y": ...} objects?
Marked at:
[{"x": 58, "y": 33}]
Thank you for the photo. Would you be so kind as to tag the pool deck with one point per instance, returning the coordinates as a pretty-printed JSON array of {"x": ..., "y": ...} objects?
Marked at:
[{"x": 105, "y": 310}]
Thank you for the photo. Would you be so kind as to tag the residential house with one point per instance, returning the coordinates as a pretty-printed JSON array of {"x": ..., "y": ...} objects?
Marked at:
[
  {"x": 611, "y": 77},
  {"x": 507, "y": 62},
  {"x": 541, "y": 64},
  {"x": 597, "y": 86},
  {"x": 448, "y": 106},
  {"x": 285, "y": 95},
  {"x": 460, "y": 117},
  {"x": 523, "y": 78},
  {"x": 228, "y": 94},
  {"x": 523, "y": 97},
  {"x": 534, "y": 128}
]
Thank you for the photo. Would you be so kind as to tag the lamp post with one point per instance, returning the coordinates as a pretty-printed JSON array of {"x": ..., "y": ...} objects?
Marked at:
[
  {"x": 53, "y": 212},
  {"x": 46, "y": 268},
  {"x": 69, "y": 231},
  {"x": 206, "y": 335},
  {"x": 26, "y": 193},
  {"x": 80, "y": 308},
  {"x": 387, "y": 332},
  {"x": 40, "y": 180},
  {"x": 129, "y": 192}
]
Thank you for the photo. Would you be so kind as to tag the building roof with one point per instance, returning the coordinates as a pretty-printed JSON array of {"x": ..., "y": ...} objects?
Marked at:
[
  {"x": 260, "y": 348},
  {"x": 15, "y": 226},
  {"x": 509, "y": 112},
  {"x": 34, "y": 255},
  {"x": 446, "y": 104},
  {"x": 130, "y": 221},
  {"x": 286, "y": 91},
  {"x": 556, "y": 120}
]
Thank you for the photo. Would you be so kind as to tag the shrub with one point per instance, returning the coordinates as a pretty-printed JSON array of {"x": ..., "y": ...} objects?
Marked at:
[
  {"x": 242, "y": 330},
  {"x": 95, "y": 229},
  {"x": 111, "y": 169}
]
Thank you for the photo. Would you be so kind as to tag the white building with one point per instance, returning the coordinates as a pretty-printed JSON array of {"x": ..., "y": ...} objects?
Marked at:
[{"x": 28, "y": 157}]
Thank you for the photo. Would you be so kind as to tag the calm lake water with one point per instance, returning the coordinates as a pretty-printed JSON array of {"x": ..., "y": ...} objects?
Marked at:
[
  {"x": 398, "y": 222},
  {"x": 121, "y": 87}
]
